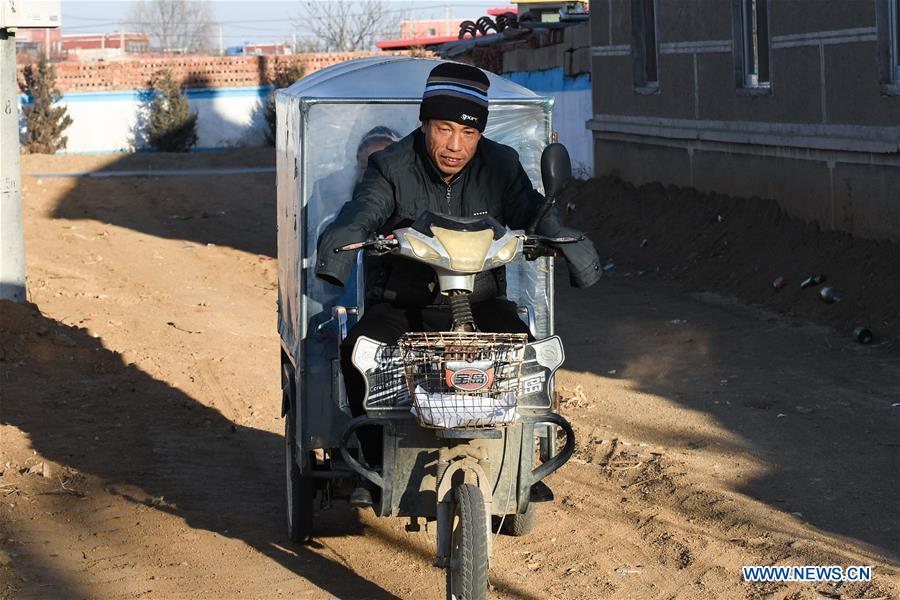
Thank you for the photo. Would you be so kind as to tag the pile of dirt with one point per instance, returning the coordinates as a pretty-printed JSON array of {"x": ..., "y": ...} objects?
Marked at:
[{"x": 740, "y": 247}]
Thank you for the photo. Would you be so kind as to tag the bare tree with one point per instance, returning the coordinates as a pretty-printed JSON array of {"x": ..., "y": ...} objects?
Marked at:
[
  {"x": 345, "y": 26},
  {"x": 174, "y": 25}
]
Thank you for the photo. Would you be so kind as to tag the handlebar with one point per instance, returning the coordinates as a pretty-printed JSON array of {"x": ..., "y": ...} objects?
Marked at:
[
  {"x": 534, "y": 246},
  {"x": 380, "y": 244},
  {"x": 536, "y": 239}
]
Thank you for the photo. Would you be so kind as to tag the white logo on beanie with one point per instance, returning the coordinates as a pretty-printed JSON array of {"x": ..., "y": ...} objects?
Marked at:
[{"x": 466, "y": 117}]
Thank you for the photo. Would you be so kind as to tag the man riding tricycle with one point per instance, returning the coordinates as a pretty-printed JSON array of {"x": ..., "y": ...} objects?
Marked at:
[{"x": 416, "y": 317}]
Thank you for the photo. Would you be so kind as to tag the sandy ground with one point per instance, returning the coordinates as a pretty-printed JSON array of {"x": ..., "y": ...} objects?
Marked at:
[{"x": 141, "y": 446}]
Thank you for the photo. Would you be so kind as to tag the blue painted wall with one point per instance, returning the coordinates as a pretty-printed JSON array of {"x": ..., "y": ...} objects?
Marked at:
[{"x": 571, "y": 111}]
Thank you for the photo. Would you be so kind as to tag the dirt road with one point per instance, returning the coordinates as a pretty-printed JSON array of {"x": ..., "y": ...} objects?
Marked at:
[{"x": 141, "y": 446}]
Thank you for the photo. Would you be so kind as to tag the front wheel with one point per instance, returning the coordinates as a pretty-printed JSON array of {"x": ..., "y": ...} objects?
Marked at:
[
  {"x": 299, "y": 490},
  {"x": 467, "y": 572}
]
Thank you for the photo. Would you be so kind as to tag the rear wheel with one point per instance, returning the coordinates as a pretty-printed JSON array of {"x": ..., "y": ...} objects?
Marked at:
[
  {"x": 520, "y": 524},
  {"x": 467, "y": 572},
  {"x": 299, "y": 490}
]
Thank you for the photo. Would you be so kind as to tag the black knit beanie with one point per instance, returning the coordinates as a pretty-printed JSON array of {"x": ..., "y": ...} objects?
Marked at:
[{"x": 456, "y": 92}]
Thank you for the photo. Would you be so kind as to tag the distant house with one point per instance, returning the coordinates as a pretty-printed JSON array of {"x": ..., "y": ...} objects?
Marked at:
[
  {"x": 249, "y": 49},
  {"x": 93, "y": 46},
  {"x": 794, "y": 101},
  {"x": 426, "y": 33},
  {"x": 544, "y": 11},
  {"x": 267, "y": 49},
  {"x": 31, "y": 42},
  {"x": 429, "y": 28},
  {"x": 81, "y": 46}
]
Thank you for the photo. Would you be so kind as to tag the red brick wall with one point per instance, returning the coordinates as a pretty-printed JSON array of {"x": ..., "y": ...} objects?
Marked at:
[{"x": 191, "y": 71}]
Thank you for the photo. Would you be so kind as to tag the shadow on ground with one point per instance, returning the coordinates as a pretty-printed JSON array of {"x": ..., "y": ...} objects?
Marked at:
[
  {"x": 810, "y": 405},
  {"x": 225, "y": 209},
  {"x": 83, "y": 408}
]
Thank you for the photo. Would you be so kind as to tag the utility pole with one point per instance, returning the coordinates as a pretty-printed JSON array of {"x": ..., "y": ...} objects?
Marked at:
[
  {"x": 294, "y": 41},
  {"x": 221, "y": 41},
  {"x": 12, "y": 241}
]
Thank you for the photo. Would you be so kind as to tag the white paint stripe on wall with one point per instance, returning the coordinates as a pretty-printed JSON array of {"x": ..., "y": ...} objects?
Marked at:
[
  {"x": 107, "y": 121},
  {"x": 822, "y": 35}
]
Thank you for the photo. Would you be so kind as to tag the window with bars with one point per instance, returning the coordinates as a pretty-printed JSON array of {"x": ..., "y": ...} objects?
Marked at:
[
  {"x": 644, "y": 47},
  {"x": 752, "y": 44}
]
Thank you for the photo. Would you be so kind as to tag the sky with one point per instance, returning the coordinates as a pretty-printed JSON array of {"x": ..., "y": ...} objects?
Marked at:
[{"x": 259, "y": 21}]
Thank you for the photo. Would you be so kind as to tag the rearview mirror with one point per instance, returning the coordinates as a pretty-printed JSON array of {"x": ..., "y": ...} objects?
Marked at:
[{"x": 556, "y": 169}]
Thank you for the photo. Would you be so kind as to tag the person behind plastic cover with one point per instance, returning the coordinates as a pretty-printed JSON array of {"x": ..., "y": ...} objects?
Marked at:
[
  {"x": 335, "y": 189},
  {"x": 446, "y": 166},
  {"x": 377, "y": 139}
]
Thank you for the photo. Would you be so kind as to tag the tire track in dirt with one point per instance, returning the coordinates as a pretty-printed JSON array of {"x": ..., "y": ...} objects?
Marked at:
[{"x": 697, "y": 535}]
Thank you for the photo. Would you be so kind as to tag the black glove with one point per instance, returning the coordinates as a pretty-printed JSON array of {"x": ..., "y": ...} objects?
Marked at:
[{"x": 584, "y": 262}]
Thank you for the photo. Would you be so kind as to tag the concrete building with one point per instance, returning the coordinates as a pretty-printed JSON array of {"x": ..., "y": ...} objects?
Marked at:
[{"x": 798, "y": 101}]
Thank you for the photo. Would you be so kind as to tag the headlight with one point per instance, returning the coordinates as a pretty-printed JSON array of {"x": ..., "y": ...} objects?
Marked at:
[
  {"x": 508, "y": 251},
  {"x": 421, "y": 249}
]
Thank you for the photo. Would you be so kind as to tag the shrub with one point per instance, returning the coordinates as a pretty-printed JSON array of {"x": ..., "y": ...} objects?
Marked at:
[
  {"x": 45, "y": 122},
  {"x": 172, "y": 126},
  {"x": 285, "y": 75}
]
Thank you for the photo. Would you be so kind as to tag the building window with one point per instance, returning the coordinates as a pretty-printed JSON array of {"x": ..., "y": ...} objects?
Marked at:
[
  {"x": 752, "y": 44},
  {"x": 888, "y": 19},
  {"x": 644, "y": 45},
  {"x": 432, "y": 32},
  {"x": 894, "y": 6}
]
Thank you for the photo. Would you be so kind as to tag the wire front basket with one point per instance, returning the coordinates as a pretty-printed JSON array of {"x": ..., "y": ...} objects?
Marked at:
[{"x": 462, "y": 380}]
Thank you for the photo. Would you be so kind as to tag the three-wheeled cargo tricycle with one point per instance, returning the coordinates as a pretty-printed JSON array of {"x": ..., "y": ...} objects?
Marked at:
[{"x": 468, "y": 427}]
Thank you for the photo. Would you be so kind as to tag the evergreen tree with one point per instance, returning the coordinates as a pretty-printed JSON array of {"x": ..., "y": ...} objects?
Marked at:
[
  {"x": 285, "y": 76},
  {"x": 45, "y": 122},
  {"x": 172, "y": 126}
]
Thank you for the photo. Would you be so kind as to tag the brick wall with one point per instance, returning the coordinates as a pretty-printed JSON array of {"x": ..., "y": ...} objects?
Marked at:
[{"x": 191, "y": 71}]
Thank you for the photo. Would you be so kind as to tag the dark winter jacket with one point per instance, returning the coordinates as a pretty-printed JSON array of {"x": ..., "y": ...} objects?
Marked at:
[{"x": 402, "y": 181}]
